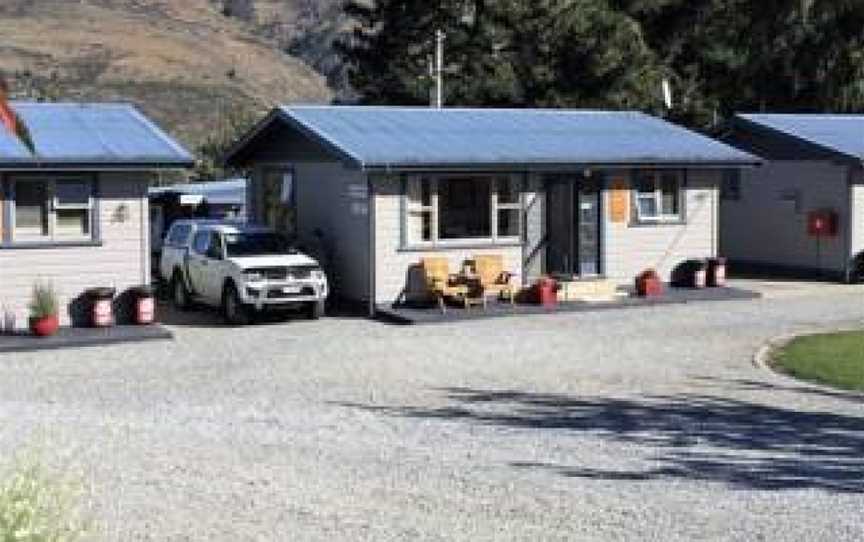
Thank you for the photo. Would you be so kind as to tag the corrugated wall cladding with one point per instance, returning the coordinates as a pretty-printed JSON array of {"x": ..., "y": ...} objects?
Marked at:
[
  {"x": 768, "y": 225},
  {"x": 630, "y": 249},
  {"x": 392, "y": 264},
  {"x": 122, "y": 261}
]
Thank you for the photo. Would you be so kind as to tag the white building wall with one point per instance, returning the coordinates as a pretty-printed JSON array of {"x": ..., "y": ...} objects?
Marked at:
[
  {"x": 122, "y": 260},
  {"x": 630, "y": 248},
  {"x": 768, "y": 224},
  {"x": 856, "y": 219}
]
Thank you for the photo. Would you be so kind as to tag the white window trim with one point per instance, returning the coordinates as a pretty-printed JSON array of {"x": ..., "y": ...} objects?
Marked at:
[
  {"x": 434, "y": 210},
  {"x": 53, "y": 205},
  {"x": 657, "y": 196}
]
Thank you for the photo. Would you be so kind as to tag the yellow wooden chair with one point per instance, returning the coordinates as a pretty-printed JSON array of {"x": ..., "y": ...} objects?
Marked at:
[
  {"x": 493, "y": 278},
  {"x": 442, "y": 284}
]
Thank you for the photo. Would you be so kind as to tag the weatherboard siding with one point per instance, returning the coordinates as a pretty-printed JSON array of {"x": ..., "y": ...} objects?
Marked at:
[
  {"x": 857, "y": 213},
  {"x": 768, "y": 225},
  {"x": 629, "y": 248},
  {"x": 121, "y": 261}
]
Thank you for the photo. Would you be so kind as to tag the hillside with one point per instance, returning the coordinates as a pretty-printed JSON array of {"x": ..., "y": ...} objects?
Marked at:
[{"x": 182, "y": 61}]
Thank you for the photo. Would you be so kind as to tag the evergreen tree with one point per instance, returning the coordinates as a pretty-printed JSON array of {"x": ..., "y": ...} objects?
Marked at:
[{"x": 721, "y": 56}]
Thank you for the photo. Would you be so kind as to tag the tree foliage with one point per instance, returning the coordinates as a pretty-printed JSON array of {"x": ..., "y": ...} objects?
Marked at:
[{"x": 720, "y": 55}]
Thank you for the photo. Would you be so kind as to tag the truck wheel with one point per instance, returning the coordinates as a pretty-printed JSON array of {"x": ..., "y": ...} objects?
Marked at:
[
  {"x": 234, "y": 311},
  {"x": 179, "y": 293},
  {"x": 315, "y": 310}
]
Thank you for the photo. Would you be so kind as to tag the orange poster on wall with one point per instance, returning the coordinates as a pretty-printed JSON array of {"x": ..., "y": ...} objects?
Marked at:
[{"x": 619, "y": 201}]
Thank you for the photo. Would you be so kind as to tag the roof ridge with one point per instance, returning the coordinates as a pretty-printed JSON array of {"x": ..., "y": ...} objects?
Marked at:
[{"x": 420, "y": 108}]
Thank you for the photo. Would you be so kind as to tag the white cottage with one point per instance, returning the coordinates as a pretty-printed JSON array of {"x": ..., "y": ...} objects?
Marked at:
[
  {"x": 75, "y": 213},
  {"x": 802, "y": 212},
  {"x": 591, "y": 195}
]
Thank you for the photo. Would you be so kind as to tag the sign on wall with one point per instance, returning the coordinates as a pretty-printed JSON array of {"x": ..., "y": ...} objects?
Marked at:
[{"x": 619, "y": 201}]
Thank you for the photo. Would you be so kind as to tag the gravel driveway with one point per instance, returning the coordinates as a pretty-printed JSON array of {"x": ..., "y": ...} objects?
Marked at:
[{"x": 641, "y": 424}]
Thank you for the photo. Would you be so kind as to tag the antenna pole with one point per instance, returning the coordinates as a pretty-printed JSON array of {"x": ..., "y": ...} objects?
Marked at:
[{"x": 439, "y": 69}]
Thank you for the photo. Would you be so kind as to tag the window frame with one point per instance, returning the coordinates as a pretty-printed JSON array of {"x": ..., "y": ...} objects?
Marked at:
[
  {"x": 660, "y": 218},
  {"x": 10, "y": 237},
  {"x": 434, "y": 211}
]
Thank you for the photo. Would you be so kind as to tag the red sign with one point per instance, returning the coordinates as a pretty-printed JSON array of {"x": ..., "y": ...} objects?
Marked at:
[{"x": 822, "y": 224}]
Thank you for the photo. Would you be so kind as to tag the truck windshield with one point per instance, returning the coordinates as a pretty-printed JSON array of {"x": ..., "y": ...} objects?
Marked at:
[{"x": 256, "y": 244}]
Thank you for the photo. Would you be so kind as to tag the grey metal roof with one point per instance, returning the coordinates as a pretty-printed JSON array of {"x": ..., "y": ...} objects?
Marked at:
[
  {"x": 89, "y": 135},
  {"x": 843, "y": 134},
  {"x": 404, "y": 137}
]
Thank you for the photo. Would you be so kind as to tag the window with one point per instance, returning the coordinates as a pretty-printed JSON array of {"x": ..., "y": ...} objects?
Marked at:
[
  {"x": 464, "y": 208},
  {"x": 201, "y": 242},
  {"x": 31, "y": 211},
  {"x": 49, "y": 210},
  {"x": 72, "y": 207},
  {"x": 454, "y": 209},
  {"x": 509, "y": 207},
  {"x": 256, "y": 244},
  {"x": 730, "y": 190},
  {"x": 658, "y": 196},
  {"x": 179, "y": 235}
]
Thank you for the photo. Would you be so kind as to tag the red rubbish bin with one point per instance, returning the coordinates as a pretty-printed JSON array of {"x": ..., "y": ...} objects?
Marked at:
[
  {"x": 717, "y": 272},
  {"x": 101, "y": 306},
  {"x": 145, "y": 305},
  {"x": 547, "y": 292}
]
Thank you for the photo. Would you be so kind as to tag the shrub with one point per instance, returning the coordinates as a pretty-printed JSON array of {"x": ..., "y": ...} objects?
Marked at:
[
  {"x": 43, "y": 301},
  {"x": 37, "y": 508}
]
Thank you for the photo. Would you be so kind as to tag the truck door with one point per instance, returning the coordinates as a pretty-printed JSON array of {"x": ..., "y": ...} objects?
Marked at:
[{"x": 198, "y": 263}]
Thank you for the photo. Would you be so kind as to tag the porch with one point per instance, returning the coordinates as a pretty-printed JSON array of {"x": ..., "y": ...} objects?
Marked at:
[{"x": 431, "y": 314}]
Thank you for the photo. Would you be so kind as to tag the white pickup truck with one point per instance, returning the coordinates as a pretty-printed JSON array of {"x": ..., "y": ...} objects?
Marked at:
[{"x": 240, "y": 268}]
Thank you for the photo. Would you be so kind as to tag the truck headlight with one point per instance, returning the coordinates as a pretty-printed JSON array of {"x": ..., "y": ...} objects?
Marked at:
[{"x": 318, "y": 274}]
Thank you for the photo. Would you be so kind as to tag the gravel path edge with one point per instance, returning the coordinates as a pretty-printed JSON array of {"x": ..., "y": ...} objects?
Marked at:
[{"x": 762, "y": 357}]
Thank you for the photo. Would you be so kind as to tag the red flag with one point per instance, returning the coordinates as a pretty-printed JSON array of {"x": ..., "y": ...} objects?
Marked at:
[
  {"x": 12, "y": 122},
  {"x": 8, "y": 117}
]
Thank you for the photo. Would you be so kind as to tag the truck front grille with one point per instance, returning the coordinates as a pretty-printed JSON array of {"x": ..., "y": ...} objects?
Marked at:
[
  {"x": 301, "y": 272},
  {"x": 272, "y": 273}
]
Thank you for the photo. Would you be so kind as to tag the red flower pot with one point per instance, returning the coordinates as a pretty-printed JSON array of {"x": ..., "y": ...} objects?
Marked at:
[
  {"x": 648, "y": 284},
  {"x": 45, "y": 326}
]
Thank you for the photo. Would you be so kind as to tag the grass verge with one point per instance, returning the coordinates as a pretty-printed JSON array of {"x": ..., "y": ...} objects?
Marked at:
[{"x": 835, "y": 359}]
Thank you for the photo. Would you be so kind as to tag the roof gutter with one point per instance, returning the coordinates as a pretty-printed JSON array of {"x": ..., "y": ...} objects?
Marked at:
[
  {"x": 94, "y": 166},
  {"x": 521, "y": 166}
]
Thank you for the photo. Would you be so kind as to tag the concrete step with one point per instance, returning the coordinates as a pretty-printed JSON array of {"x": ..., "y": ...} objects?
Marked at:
[{"x": 589, "y": 290}]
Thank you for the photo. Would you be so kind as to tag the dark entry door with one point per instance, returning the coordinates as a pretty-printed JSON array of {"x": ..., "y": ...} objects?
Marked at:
[{"x": 573, "y": 226}]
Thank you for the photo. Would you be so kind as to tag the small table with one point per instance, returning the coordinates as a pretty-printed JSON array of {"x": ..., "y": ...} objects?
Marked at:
[{"x": 475, "y": 295}]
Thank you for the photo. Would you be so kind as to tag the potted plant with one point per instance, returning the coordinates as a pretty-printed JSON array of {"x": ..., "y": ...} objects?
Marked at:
[
  {"x": 44, "y": 320},
  {"x": 648, "y": 284}
]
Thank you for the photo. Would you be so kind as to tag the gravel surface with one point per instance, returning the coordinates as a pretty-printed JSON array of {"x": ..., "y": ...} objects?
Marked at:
[{"x": 639, "y": 424}]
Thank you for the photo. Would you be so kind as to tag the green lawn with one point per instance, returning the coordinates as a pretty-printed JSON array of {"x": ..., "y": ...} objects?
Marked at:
[{"x": 836, "y": 359}]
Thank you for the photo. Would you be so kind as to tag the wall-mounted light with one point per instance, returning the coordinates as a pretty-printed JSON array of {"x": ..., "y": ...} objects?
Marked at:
[{"x": 121, "y": 213}]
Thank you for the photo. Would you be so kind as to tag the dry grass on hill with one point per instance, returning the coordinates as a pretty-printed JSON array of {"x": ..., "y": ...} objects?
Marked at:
[{"x": 180, "y": 60}]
